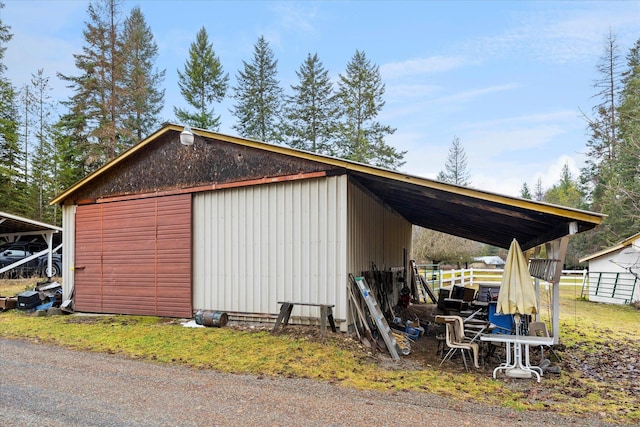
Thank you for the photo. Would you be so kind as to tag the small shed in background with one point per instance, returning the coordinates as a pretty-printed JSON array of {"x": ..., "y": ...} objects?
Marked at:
[
  {"x": 226, "y": 223},
  {"x": 491, "y": 261},
  {"x": 614, "y": 273}
]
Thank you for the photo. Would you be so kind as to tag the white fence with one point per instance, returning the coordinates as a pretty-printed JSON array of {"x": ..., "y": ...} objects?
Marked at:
[{"x": 474, "y": 277}]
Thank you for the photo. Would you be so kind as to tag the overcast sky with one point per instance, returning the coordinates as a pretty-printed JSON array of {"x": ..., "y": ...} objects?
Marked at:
[{"x": 510, "y": 79}]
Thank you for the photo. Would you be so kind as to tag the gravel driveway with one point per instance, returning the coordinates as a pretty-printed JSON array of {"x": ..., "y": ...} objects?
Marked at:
[{"x": 44, "y": 385}]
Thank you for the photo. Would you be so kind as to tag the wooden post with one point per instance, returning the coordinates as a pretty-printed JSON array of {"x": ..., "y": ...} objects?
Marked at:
[{"x": 559, "y": 253}]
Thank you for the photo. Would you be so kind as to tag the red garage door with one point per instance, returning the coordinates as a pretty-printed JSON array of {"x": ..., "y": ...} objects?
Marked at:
[{"x": 134, "y": 257}]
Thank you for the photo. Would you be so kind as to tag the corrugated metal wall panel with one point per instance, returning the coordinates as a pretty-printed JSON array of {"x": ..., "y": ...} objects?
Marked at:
[
  {"x": 68, "y": 249},
  {"x": 255, "y": 246},
  {"x": 376, "y": 233},
  {"x": 134, "y": 257}
]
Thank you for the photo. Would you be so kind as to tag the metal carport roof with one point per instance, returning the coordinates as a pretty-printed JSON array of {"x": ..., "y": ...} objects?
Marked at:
[
  {"x": 473, "y": 214},
  {"x": 12, "y": 226}
]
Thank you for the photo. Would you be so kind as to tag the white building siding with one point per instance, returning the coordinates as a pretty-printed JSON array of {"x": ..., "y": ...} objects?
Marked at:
[
  {"x": 68, "y": 249},
  {"x": 605, "y": 263},
  {"x": 376, "y": 233},
  {"x": 610, "y": 283},
  {"x": 257, "y": 245}
]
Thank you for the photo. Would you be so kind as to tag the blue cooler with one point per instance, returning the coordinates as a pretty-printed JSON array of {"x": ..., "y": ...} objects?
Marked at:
[{"x": 504, "y": 322}]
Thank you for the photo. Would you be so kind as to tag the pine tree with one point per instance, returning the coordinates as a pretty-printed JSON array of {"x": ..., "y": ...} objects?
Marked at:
[
  {"x": 603, "y": 128},
  {"x": 538, "y": 191},
  {"x": 360, "y": 99},
  {"x": 623, "y": 183},
  {"x": 566, "y": 192},
  {"x": 99, "y": 93},
  {"x": 70, "y": 147},
  {"x": 311, "y": 111},
  {"x": 456, "y": 171},
  {"x": 201, "y": 84},
  {"x": 525, "y": 193},
  {"x": 11, "y": 156},
  {"x": 259, "y": 97},
  {"x": 141, "y": 80},
  {"x": 43, "y": 167}
]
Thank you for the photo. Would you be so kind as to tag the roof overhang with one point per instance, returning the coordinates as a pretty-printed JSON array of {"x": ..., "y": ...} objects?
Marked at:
[
  {"x": 13, "y": 226},
  {"x": 630, "y": 241},
  {"x": 465, "y": 212},
  {"x": 476, "y": 215}
]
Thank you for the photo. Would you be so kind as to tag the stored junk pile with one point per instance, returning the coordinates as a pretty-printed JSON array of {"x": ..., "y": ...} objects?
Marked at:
[
  {"x": 45, "y": 299},
  {"x": 379, "y": 321}
]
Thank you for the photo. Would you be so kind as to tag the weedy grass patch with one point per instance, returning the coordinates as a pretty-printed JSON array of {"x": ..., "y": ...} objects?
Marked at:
[{"x": 594, "y": 341}]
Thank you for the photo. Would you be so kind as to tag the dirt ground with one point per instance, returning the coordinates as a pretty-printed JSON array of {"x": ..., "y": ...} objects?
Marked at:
[{"x": 616, "y": 365}]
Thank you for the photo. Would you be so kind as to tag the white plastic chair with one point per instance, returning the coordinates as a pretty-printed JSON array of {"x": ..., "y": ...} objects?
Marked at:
[{"x": 454, "y": 336}]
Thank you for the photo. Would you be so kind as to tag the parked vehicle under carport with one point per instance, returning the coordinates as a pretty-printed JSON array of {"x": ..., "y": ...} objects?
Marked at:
[{"x": 13, "y": 252}]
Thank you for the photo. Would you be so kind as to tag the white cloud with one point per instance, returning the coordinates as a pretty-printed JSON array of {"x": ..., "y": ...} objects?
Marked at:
[
  {"x": 464, "y": 97},
  {"x": 549, "y": 34},
  {"x": 410, "y": 67},
  {"x": 518, "y": 135},
  {"x": 50, "y": 48},
  {"x": 404, "y": 91},
  {"x": 296, "y": 16},
  {"x": 551, "y": 176}
]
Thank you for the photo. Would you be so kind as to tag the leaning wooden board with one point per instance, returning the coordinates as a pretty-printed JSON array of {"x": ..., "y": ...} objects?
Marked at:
[{"x": 378, "y": 318}]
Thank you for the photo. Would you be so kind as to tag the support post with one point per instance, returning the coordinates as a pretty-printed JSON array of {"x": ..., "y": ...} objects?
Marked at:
[
  {"x": 560, "y": 251},
  {"x": 49, "y": 239}
]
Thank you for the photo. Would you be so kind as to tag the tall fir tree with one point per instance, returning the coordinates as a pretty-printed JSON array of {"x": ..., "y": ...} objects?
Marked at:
[
  {"x": 614, "y": 164},
  {"x": 603, "y": 131},
  {"x": 360, "y": 99},
  {"x": 456, "y": 167},
  {"x": 142, "y": 80},
  {"x": 625, "y": 178},
  {"x": 99, "y": 91},
  {"x": 259, "y": 97},
  {"x": 311, "y": 112},
  {"x": 11, "y": 156},
  {"x": 42, "y": 160},
  {"x": 202, "y": 83}
]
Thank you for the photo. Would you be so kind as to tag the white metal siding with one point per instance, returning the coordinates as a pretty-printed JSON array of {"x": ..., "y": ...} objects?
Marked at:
[
  {"x": 605, "y": 263},
  {"x": 68, "y": 249},
  {"x": 254, "y": 246},
  {"x": 376, "y": 233}
]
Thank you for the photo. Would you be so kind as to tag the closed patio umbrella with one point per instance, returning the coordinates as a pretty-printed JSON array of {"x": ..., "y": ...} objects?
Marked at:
[{"x": 517, "y": 294}]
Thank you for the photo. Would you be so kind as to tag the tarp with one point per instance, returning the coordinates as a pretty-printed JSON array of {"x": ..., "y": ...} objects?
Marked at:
[{"x": 517, "y": 293}]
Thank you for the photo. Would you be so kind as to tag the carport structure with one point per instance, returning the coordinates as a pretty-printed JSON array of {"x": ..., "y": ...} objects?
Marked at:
[
  {"x": 16, "y": 228},
  {"x": 232, "y": 224}
]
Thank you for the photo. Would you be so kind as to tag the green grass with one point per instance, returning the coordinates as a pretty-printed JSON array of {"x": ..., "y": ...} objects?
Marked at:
[{"x": 586, "y": 327}]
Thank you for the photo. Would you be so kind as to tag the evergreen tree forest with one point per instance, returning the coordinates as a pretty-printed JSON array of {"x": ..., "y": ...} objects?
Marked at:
[
  {"x": 118, "y": 95},
  {"x": 610, "y": 180}
]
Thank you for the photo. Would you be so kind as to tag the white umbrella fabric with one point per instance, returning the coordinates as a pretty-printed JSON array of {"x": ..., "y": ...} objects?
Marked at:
[
  {"x": 517, "y": 293},
  {"x": 517, "y": 296}
]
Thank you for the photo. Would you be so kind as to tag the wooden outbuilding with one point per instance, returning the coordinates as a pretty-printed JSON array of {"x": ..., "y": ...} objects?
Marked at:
[{"x": 232, "y": 224}]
